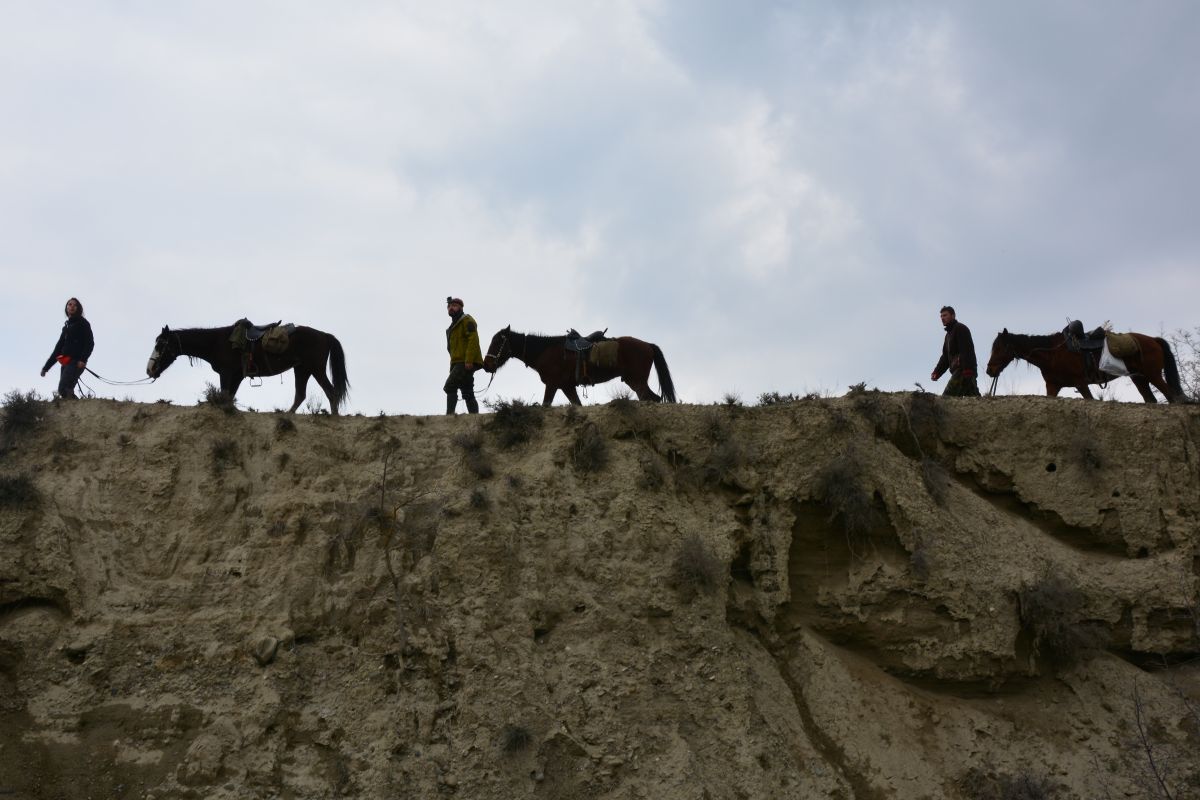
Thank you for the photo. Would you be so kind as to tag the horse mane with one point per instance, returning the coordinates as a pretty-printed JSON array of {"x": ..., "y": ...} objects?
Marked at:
[{"x": 1029, "y": 341}]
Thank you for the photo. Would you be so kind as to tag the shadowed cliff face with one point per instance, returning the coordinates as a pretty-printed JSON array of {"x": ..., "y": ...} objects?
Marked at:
[{"x": 878, "y": 596}]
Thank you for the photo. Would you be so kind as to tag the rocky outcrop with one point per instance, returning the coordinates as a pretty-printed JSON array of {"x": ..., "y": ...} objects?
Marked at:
[{"x": 876, "y": 596}]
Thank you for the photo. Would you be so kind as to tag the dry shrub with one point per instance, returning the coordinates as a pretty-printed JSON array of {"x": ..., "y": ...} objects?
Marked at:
[
  {"x": 868, "y": 402},
  {"x": 623, "y": 401},
  {"x": 725, "y": 457},
  {"x": 695, "y": 569},
  {"x": 474, "y": 458},
  {"x": 225, "y": 453},
  {"x": 716, "y": 427},
  {"x": 985, "y": 784},
  {"x": 1085, "y": 451},
  {"x": 653, "y": 476},
  {"x": 479, "y": 498},
  {"x": 284, "y": 425},
  {"x": 514, "y": 422},
  {"x": 18, "y": 491},
  {"x": 936, "y": 480},
  {"x": 840, "y": 487},
  {"x": 589, "y": 452},
  {"x": 515, "y": 738},
  {"x": 1051, "y": 611},
  {"x": 777, "y": 399},
  {"x": 219, "y": 399},
  {"x": 927, "y": 414},
  {"x": 731, "y": 400},
  {"x": 20, "y": 412}
]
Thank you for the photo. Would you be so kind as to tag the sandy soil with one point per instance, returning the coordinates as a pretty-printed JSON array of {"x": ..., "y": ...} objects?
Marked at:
[{"x": 877, "y": 596}]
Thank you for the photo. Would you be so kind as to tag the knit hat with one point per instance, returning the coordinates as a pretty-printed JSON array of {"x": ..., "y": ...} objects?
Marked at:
[{"x": 454, "y": 301}]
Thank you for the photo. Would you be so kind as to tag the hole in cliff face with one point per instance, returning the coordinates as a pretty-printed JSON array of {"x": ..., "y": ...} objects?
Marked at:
[
  {"x": 740, "y": 570},
  {"x": 1051, "y": 467}
]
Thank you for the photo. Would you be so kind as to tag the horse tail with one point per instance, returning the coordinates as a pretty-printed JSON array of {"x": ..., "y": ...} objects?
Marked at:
[
  {"x": 664, "y": 376},
  {"x": 1170, "y": 370},
  {"x": 337, "y": 363}
]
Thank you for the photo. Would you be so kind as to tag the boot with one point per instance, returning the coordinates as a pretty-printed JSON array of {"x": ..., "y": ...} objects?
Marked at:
[
  {"x": 472, "y": 404},
  {"x": 451, "y": 402}
]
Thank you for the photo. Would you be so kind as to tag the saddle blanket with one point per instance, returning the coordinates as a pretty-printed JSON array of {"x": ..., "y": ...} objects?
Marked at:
[
  {"x": 604, "y": 354},
  {"x": 1122, "y": 345},
  {"x": 1109, "y": 363}
]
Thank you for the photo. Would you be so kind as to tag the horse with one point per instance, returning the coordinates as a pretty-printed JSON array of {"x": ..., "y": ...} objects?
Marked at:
[
  {"x": 557, "y": 367},
  {"x": 1153, "y": 364},
  {"x": 307, "y": 352}
]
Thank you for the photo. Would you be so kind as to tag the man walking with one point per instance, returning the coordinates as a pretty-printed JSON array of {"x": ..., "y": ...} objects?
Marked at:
[
  {"x": 958, "y": 356},
  {"x": 462, "y": 340}
]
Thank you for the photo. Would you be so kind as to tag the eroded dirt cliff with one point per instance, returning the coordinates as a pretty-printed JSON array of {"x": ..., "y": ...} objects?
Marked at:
[{"x": 877, "y": 596}]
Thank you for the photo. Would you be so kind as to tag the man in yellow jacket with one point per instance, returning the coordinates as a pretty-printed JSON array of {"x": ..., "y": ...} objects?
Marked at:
[{"x": 462, "y": 340}]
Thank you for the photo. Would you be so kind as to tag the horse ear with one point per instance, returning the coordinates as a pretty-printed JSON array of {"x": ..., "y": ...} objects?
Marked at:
[
  {"x": 166, "y": 329},
  {"x": 1005, "y": 331},
  {"x": 508, "y": 328}
]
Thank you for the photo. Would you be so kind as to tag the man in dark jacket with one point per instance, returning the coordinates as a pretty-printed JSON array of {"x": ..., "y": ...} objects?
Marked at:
[
  {"x": 958, "y": 356},
  {"x": 72, "y": 350}
]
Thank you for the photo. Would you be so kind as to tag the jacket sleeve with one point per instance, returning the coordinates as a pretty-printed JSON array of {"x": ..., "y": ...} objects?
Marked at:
[
  {"x": 54, "y": 353},
  {"x": 474, "y": 355},
  {"x": 89, "y": 343},
  {"x": 966, "y": 350},
  {"x": 942, "y": 365}
]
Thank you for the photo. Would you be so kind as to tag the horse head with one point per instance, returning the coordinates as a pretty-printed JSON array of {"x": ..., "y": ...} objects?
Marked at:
[
  {"x": 166, "y": 350},
  {"x": 499, "y": 350},
  {"x": 1002, "y": 354}
]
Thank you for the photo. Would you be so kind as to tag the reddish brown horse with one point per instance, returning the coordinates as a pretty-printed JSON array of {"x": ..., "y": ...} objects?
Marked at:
[
  {"x": 307, "y": 353},
  {"x": 557, "y": 367},
  {"x": 1061, "y": 368}
]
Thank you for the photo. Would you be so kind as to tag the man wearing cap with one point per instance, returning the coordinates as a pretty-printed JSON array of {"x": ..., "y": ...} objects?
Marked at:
[
  {"x": 958, "y": 355},
  {"x": 462, "y": 340}
]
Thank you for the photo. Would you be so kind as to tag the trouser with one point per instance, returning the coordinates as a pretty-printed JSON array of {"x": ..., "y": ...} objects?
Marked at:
[
  {"x": 68, "y": 376},
  {"x": 960, "y": 386},
  {"x": 460, "y": 380}
]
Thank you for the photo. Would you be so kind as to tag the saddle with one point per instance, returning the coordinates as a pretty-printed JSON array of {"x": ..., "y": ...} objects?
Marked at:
[
  {"x": 581, "y": 347},
  {"x": 576, "y": 343},
  {"x": 1078, "y": 341},
  {"x": 274, "y": 338},
  {"x": 1089, "y": 346}
]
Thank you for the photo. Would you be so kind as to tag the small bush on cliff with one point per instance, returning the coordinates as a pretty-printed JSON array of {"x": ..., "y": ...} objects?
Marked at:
[
  {"x": 514, "y": 422},
  {"x": 984, "y": 784},
  {"x": 515, "y": 738},
  {"x": 473, "y": 456},
  {"x": 776, "y": 399},
  {"x": 840, "y": 487},
  {"x": 1185, "y": 345},
  {"x": 21, "y": 411},
  {"x": 589, "y": 451},
  {"x": 225, "y": 453},
  {"x": 219, "y": 399},
  {"x": 18, "y": 491},
  {"x": 1050, "y": 614},
  {"x": 695, "y": 569}
]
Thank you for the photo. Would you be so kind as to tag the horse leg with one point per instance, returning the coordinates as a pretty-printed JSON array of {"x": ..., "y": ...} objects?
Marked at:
[
  {"x": 230, "y": 381},
  {"x": 643, "y": 391},
  {"x": 1084, "y": 391},
  {"x": 301, "y": 388},
  {"x": 1143, "y": 387},
  {"x": 572, "y": 395},
  {"x": 1052, "y": 390},
  {"x": 324, "y": 383},
  {"x": 549, "y": 396}
]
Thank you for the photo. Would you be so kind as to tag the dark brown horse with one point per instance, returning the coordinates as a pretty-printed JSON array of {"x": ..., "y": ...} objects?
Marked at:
[
  {"x": 1061, "y": 368},
  {"x": 557, "y": 367},
  {"x": 307, "y": 352}
]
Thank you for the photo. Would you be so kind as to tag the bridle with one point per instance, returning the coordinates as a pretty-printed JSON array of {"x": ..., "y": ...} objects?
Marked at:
[{"x": 156, "y": 355}]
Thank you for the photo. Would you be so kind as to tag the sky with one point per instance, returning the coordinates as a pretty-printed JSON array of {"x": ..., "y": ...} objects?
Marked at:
[{"x": 781, "y": 195}]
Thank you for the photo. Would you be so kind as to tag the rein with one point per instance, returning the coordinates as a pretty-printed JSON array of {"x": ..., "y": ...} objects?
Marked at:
[{"x": 103, "y": 379}]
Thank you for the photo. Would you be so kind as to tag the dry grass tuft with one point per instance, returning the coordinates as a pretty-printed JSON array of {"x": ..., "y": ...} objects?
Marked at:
[
  {"x": 474, "y": 457},
  {"x": 514, "y": 422},
  {"x": 515, "y": 738},
  {"x": 18, "y": 491},
  {"x": 20, "y": 412},
  {"x": 589, "y": 452},
  {"x": 840, "y": 487},
  {"x": 1051, "y": 612},
  {"x": 695, "y": 569},
  {"x": 218, "y": 399},
  {"x": 984, "y": 784},
  {"x": 225, "y": 454}
]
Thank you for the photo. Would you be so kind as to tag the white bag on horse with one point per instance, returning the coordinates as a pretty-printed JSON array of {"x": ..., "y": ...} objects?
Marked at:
[{"x": 1110, "y": 364}]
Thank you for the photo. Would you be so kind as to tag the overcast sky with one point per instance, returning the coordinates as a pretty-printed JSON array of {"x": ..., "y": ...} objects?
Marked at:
[{"x": 781, "y": 195}]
